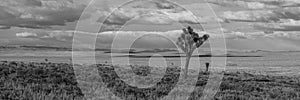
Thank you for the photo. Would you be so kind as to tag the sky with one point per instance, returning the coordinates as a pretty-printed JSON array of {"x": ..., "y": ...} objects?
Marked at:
[{"x": 244, "y": 24}]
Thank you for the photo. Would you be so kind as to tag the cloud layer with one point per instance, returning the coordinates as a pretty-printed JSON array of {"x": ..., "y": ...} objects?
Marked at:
[
  {"x": 249, "y": 23},
  {"x": 148, "y": 37},
  {"x": 148, "y": 12},
  {"x": 279, "y": 40},
  {"x": 38, "y": 13},
  {"x": 267, "y": 16}
]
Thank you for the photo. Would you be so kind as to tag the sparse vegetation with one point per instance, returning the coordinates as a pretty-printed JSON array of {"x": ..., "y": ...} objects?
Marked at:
[
  {"x": 56, "y": 81},
  {"x": 37, "y": 81}
]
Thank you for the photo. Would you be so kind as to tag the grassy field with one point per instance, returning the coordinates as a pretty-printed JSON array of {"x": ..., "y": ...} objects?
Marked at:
[{"x": 57, "y": 81}]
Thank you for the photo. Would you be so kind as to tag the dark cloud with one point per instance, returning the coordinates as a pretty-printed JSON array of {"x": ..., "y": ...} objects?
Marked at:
[
  {"x": 31, "y": 2},
  {"x": 163, "y": 4}
]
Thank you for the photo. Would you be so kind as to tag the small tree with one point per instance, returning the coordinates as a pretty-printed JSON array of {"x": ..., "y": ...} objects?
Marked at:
[{"x": 188, "y": 44}]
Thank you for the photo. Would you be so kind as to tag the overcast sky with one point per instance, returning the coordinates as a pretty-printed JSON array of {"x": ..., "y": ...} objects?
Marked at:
[{"x": 247, "y": 24}]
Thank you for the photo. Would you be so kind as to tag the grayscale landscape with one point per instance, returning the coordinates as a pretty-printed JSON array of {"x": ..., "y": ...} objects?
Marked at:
[{"x": 149, "y": 50}]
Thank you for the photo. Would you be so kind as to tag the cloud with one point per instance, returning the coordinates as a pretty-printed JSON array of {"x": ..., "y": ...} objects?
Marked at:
[
  {"x": 251, "y": 16},
  {"x": 268, "y": 16},
  {"x": 121, "y": 16},
  {"x": 27, "y": 35},
  {"x": 59, "y": 35},
  {"x": 263, "y": 35},
  {"x": 234, "y": 39},
  {"x": 284, "y": 34},
  {"x": 4, "y": 27},
  {"x": 267, "y": 11},
  {"x": 252, "y": 4},
  {"x": 148, "y": 12},
  {"x": 283, "y": 25},
  {"x": 289, "y": 13},
  {"x": 237, "y": 35},
  {"x": 109, "y": 36},
  {"x": 38, "y": 13},
  {"x": 22, "y": 2},
  {"x": 65, "y": 36},
  {"x": 257, "y": 4}
]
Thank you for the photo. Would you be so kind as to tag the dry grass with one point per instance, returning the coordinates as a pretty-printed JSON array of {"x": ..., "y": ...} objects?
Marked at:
[
  {"x": 37, "y": 81},
  {"x": 57, "y": 81}
]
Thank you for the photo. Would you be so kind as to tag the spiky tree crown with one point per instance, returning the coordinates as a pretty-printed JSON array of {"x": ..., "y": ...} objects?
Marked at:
[{"x": 186, "y": 41}]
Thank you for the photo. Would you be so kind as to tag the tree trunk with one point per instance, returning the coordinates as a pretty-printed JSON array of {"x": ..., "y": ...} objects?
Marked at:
[{"x": 186, "y": 68}]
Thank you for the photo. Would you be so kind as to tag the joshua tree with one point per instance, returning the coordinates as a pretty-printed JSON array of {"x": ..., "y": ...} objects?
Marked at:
[{"x": 188, "y": 42}]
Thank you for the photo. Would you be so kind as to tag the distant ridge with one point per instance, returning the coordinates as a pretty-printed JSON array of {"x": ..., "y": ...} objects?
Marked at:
[
  {"x": 132, "y": 51},
  {"x": 47, "y": 48},
  {"x": 16, "y": 47},
  {"x": 137, "y": 56},
  {"x": 255, "y": 51}
]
